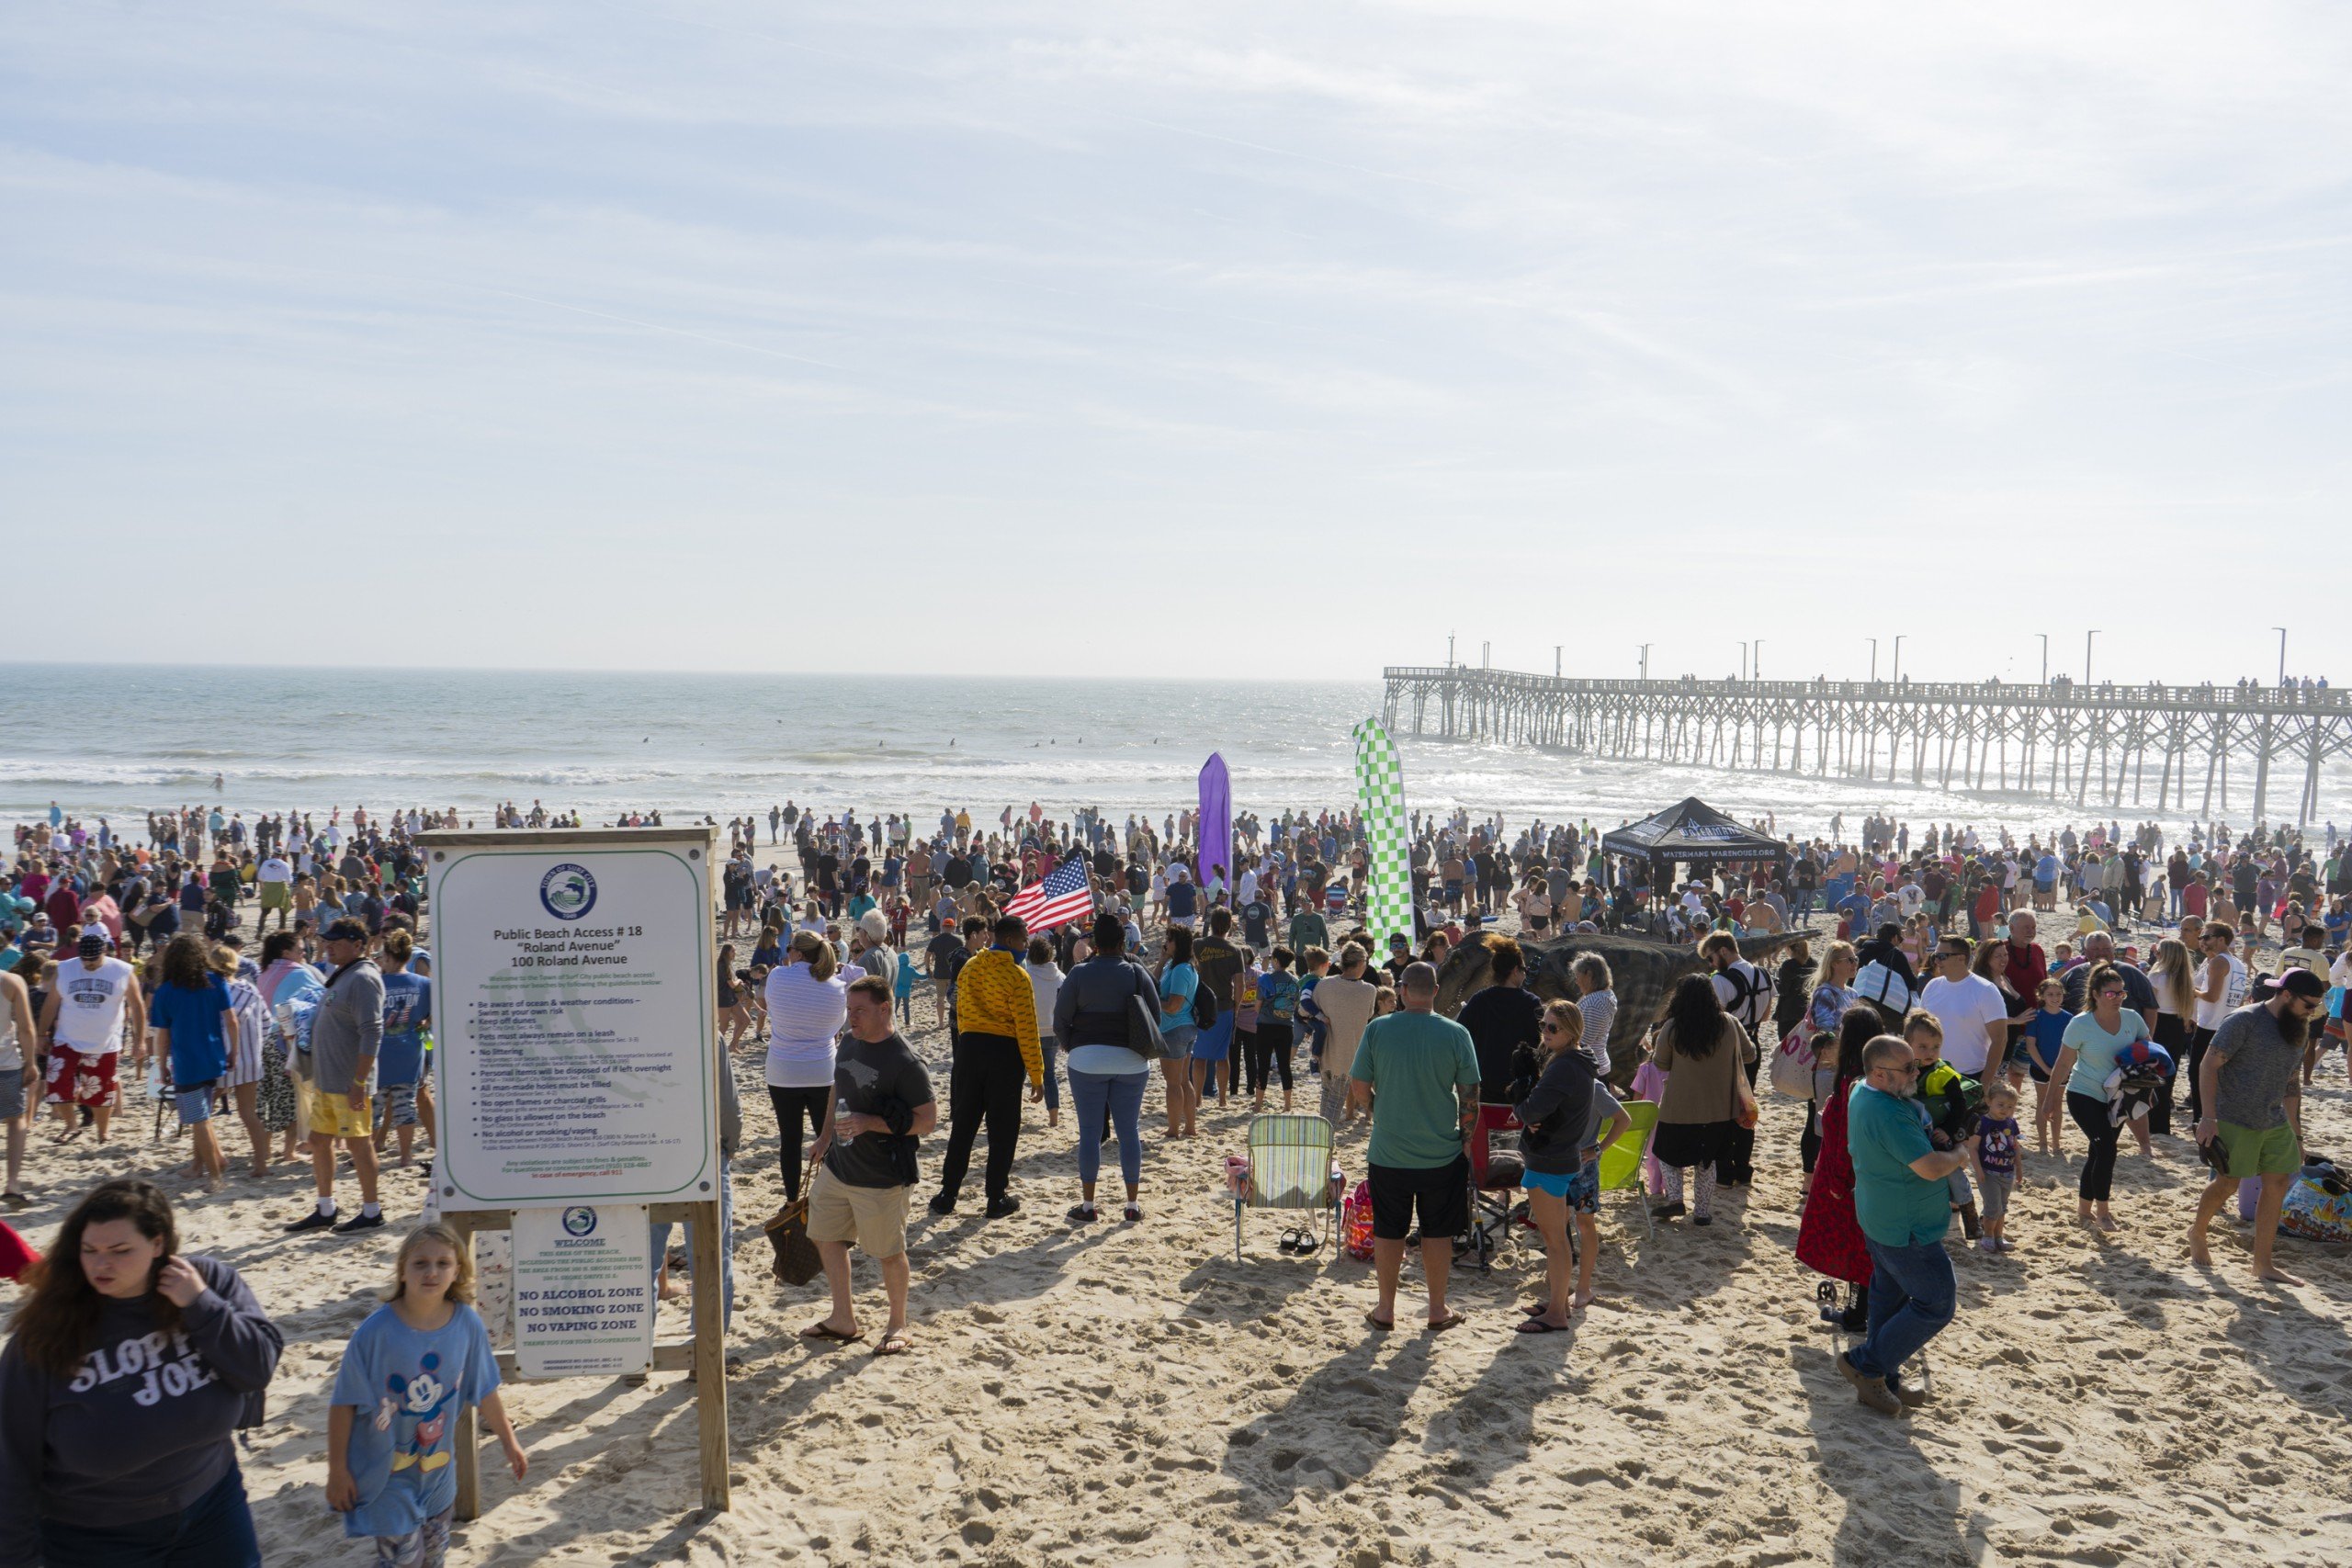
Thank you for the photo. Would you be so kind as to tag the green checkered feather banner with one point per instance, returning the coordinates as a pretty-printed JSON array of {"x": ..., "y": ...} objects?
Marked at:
[{"x": 1380, "y": 790}]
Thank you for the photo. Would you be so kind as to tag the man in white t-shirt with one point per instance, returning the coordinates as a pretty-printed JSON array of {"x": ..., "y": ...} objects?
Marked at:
[
  {"x": 82, "y": 1021},
  {"x": 274, "y": 880},
  {"x": 1971, "y": 1009}
]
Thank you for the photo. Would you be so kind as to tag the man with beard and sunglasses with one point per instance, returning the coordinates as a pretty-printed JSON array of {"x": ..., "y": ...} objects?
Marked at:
[{"x": 2250, "y": 1109}]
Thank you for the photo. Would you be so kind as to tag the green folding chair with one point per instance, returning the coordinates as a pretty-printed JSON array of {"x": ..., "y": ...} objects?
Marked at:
[
  {"x": 1290, "y": 1167},
  {"x": 1621, "y": 1162}
]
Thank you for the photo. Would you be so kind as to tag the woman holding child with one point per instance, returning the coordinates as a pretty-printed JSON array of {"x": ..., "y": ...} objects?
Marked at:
[{"x": 2094, "y": 1042}]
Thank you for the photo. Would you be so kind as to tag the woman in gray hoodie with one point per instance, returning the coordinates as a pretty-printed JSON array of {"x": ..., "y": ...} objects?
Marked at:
[{"x": 129, "y": 1370}]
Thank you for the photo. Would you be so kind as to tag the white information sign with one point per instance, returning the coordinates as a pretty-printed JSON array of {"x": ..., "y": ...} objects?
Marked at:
[
  {"x": 572, "y": 1006},
  {"x": 584, "y": 1290}
]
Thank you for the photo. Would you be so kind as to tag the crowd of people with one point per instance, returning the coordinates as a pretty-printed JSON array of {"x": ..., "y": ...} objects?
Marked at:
[{"x": 1908, "y": 999}]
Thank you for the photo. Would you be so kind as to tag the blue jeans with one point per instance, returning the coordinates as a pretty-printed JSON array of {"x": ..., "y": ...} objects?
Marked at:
[
  {"x": 1912, "y": 1294},
  {"x": 726, "y": 1245},
  {"x": 214, "y": 1531},
  {"x": 1048, "y": 1047},
  {"x": 1803, "y": 907},
  {"x": 1089, "y": 1092}
]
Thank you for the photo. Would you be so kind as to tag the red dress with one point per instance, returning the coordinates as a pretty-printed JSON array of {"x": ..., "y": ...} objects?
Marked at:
[{"x": 1829, "y": 1239}]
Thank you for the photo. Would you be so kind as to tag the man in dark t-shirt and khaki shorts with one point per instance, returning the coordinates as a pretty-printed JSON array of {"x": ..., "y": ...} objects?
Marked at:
[{"x": 882, "y": 1102}]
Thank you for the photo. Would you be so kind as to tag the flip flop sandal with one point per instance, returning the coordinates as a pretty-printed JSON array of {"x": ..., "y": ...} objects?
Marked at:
[
  {"x": 1289, "y": 1242},
  {"x": 826, "y": 1331},
  {"x": 1537, "y": 1326},
  {"x": 893, "y": 1344},
  {"x": 1378, "y": 1326},
  {"x": 1535, "y": 1309},
  {"x": 1450, "y": 1319}
]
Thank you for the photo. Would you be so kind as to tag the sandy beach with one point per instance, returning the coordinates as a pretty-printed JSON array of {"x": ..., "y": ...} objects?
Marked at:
[{"x": 1123, "y": 1394}]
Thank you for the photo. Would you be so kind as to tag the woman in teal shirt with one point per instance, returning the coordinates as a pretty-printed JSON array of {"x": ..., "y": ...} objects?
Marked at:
[
  {"x": 2088, "y": 1054},
  {"x": 1178, "y": 983}
]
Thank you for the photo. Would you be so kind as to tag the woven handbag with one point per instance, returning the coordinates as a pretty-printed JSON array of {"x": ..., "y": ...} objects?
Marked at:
[{"x": 797, "y": 1261}]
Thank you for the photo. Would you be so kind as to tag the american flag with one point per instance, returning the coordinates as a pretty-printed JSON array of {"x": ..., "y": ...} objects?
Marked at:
[{"x": 1062, "y": 896}]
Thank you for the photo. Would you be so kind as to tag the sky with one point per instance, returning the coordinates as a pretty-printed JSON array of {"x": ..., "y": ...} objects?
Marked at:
[{"x": 1225, "y": 340}]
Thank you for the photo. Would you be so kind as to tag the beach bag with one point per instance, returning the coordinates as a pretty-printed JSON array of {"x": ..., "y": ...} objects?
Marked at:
[
  {"x": 797, "y": 1261},
  {"x": 1355, "y": 1224},
  {"x": 2313, "y": 1213},
  {"x": 1792, "y": 1067}
]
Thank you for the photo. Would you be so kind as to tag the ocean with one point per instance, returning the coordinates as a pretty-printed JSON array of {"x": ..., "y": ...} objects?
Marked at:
[{"x": 120, "y": 740}]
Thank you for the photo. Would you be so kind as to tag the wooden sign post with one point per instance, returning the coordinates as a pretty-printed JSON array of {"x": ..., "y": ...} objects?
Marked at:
[{"x": 576, "y": 1064}]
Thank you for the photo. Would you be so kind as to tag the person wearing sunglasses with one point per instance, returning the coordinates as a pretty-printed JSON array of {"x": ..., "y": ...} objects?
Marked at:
[
  {"x": 1567, "y": 1116},
  {"x": 2089, "y": 1053},
  {"x": 1900, "y": 1201},
  {"x": 2250, "y": 1116}
]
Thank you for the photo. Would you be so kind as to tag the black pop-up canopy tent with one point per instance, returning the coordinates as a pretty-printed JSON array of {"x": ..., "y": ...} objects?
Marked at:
[{"x": 1694, "y": 832}]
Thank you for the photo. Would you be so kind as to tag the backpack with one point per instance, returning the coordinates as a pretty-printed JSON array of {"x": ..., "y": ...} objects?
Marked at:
[{"x": 1751, "y": 1000}]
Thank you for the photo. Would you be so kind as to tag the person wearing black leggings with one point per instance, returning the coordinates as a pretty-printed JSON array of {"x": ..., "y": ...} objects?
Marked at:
[
  {"x": 807, "y": 1002},
  {"x": 1268, "y": 1046},
  {"x": 791, "y": 1104},
  {"x": 2088, "y": 1054}
]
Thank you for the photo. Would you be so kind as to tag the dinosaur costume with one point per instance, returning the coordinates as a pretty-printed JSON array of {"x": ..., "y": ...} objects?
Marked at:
[{"x": 1642, "y": 974}]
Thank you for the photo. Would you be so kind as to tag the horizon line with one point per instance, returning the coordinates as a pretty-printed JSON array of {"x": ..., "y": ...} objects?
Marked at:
[{"x": 617, "y": 670}]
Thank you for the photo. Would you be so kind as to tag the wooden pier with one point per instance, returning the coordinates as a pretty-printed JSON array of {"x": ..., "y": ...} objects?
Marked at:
[{"x": 2102, "y": 744}]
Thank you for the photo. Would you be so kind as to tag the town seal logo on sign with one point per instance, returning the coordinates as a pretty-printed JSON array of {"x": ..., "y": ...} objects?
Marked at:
[
  {"x": 580, "y": 1219},
  {"x": 567, "y": 891}
]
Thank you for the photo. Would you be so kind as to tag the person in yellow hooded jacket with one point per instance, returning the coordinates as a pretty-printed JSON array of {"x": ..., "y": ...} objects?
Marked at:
[{"x": 996, "y": 1045}]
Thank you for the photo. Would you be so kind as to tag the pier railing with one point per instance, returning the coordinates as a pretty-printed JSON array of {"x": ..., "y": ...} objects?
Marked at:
[{"x": 2059, "y": 738}]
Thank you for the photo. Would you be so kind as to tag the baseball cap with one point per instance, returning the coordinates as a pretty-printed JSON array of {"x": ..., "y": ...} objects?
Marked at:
[
  {"x": 94, "y": 940},
  {"x": 345, "y": 929},
  {"x": 2297, "y": 982}
]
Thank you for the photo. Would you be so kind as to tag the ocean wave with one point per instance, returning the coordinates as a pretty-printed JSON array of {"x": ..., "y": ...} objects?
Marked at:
[{"x": 314, "y": 740}]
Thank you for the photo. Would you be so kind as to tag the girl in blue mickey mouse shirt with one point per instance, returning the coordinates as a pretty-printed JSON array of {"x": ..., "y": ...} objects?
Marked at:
[{"x": 410, "y": 1367}]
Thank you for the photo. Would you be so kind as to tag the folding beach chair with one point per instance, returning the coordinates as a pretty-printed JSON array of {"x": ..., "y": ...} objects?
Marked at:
[
  {"x": 1290, "y": 1167},
  {"x": 1621, "y": 1162},
  {"x": 1497, "y": 1208}
]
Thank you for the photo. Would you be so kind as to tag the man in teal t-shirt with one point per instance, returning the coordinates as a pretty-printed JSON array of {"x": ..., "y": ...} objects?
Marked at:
[
  {"x": 1419, "y": 1072},
  {"x": 1902, "y": 1203}
]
